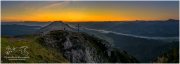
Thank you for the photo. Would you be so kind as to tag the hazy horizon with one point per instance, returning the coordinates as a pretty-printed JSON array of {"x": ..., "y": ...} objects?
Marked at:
[{"x": 95, "y": 21}]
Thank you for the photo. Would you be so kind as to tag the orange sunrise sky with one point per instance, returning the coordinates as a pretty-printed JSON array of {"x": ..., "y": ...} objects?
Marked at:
[{"x": 74, "y": 11}]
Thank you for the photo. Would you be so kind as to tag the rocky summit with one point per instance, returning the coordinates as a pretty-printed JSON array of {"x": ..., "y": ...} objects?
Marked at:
[{"x": 79, "y": 47}]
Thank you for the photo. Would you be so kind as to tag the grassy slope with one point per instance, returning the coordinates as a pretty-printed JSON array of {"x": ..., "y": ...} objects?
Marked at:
[{"x": 37, "y": 53}]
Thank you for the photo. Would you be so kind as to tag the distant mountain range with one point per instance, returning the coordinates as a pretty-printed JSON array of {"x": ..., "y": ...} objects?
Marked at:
[
  {"x": 58, "y": 25},
  {"x": 168, "y": 28},
  {"x": 15, "y": 29}
]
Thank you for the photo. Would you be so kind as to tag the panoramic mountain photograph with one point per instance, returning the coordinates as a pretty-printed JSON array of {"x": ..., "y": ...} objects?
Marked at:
[{"x": 90, "y": 32}]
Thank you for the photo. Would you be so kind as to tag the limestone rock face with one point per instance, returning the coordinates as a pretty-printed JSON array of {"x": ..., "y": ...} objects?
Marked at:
[{"x": 81, "y": 47}]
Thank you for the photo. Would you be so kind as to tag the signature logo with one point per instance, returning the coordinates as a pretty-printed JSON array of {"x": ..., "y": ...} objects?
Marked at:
[{"x": 16, "y": 53}]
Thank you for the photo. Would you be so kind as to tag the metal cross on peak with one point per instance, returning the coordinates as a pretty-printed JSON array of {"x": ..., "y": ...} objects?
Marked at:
[{"x": 78, "y": 26}]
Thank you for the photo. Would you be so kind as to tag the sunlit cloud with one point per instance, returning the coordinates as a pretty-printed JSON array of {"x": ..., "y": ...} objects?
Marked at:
[{"x": 54, "y": 5}]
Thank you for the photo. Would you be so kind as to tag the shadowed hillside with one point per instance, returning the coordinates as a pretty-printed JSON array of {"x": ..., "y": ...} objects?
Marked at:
[{"x": 81, "y": 47}]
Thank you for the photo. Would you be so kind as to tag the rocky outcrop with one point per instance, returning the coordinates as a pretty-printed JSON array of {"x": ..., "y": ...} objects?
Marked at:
[
  {"x": 171, "y": 56},
  {"x": 81, "y": 47}
]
